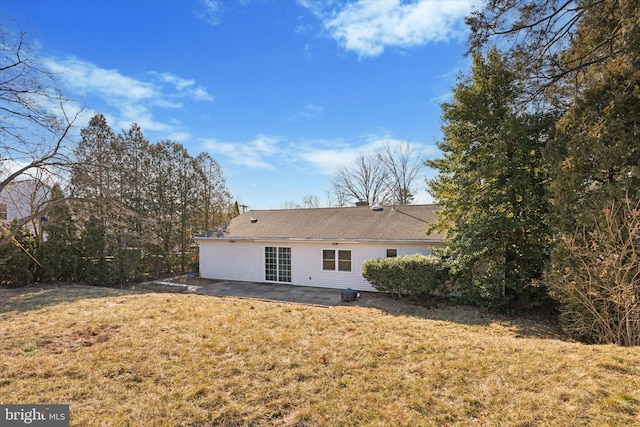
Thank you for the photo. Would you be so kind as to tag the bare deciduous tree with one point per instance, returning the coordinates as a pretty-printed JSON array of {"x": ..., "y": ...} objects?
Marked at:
[
  {"x": 34, "y": 118},
  {"x": 336, "y": 200},
  {"x": 403, "y": 167},
  {"x": 600, "y": 292},
  {"x": 366, "y": 180},
  {"x": 308, "y": 202},
  {"x": 380, "y": 178}
]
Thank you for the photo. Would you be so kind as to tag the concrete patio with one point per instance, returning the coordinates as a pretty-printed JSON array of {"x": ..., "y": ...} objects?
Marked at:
[
  {"x": 261, "y": 291},
  {"x": 274, "y": 292}
]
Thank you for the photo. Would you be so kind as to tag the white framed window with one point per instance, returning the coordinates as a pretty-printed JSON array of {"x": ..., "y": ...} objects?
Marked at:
[
  {"x": 391, "y": 253},
  {"x": 336, "y": 260}
]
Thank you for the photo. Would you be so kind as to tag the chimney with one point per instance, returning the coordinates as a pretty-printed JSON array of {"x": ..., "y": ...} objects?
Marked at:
[{"x": 360, "y": 203}]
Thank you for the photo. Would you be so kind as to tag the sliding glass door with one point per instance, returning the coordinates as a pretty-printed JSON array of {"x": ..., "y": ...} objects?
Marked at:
[{"x": 277, "y": 264}]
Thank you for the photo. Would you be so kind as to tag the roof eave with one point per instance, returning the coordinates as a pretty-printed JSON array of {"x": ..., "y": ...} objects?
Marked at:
[{"x": 309, "y": 239}]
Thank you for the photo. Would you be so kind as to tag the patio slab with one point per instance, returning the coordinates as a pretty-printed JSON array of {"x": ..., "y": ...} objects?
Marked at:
[{"x": 273, "y": 292}]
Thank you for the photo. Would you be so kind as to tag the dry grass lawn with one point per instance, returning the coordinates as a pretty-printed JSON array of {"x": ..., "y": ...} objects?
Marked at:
[{"x": 127, "y": 358}]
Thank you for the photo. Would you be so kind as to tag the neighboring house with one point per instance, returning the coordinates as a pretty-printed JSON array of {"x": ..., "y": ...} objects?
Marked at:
[
  {"x": 323, "y": 247},
  {"x": 21, "y": 200}
]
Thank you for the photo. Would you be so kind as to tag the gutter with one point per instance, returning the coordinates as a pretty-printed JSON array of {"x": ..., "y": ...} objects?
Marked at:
[{"x": 316, "y": 240}]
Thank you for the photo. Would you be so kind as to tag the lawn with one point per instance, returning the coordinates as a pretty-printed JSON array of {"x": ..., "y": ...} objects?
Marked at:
[{"x": 122, "y": 357}]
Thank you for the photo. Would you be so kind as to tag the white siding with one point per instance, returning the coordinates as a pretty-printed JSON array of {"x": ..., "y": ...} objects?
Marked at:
[
  {"x": 307, "y": 263},
  {"x": 221, "y": 259},
  {"x": 21, "y": 199}
]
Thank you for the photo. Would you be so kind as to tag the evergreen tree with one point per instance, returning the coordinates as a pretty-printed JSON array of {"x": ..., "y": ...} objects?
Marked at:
[
  {"x": 94, "y": 250},
  {"x": 143, "y": 203},
  {"x": 214, "y": 198},
  {"x": 16, "y": 266},
  {"x": 596, "y": 154},
  {"x": 163, "y": 208},
  {"x": 187, "y": 202},
  {"x": 490, "y": 186},
  {"x": 95, "y": 157},
  {"x": 59, "y": 253},
  {"x": 596, "y": 170},
  {"x": 99, "y": 209},
  {"x": 131, "y": 171},
  {"x": 585, "y": 56}
]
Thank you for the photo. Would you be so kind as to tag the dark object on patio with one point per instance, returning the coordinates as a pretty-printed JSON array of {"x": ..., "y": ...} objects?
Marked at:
[{"x": 348, "y": 295}]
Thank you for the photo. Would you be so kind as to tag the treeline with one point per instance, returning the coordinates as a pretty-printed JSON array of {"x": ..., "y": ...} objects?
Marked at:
[
  {"x": 130, "y": 212},
  {"x": 539, "y": 182}
]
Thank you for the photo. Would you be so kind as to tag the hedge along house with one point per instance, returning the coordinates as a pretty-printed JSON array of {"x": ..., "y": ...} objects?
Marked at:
[{"x": 321, "y": 247}]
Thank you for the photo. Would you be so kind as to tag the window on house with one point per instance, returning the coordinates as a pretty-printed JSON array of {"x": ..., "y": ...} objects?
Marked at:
[
  {"x": 344, "y": 260},
  {"x": 328, "y": 259},
  {"x": 392, "y": 253},
  {"x": 330, "y": 256}
]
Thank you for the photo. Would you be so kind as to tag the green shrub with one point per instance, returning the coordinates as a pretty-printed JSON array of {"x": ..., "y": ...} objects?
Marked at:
[
  {"x": 16, "y": 267},
  {"x": 410, "y": 274}
]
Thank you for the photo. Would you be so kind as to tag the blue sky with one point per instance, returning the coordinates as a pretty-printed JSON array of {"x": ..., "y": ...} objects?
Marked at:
[{"x": 280, "y": 92}]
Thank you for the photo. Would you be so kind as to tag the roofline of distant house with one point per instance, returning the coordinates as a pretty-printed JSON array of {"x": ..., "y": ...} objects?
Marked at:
[{"x": 390, "y": 207}]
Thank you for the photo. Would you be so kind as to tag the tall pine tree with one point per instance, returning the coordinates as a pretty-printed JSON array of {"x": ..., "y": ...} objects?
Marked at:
[{"x": 59, "y": 253}]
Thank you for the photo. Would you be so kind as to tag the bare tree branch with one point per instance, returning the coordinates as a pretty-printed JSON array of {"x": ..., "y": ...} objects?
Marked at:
[
  {"x": 35, "y": 122},
  {"x": 366, "y": 180},
  {"x": 403, "y": 167}
]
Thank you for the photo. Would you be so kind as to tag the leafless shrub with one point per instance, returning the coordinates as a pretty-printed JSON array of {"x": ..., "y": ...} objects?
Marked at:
[{"x": 599, "y": 286}]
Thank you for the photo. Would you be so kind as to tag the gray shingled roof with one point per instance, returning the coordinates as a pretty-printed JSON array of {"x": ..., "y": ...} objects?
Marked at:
[{"x": 357, "y": 223}]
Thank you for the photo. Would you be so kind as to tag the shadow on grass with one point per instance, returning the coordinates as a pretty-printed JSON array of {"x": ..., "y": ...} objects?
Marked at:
[
  {"x": 536, "y": 323},
  {"x": 35, "y": 297},
  {"x": 540, "y": 323},
  {"x": 533, "y": 324}
]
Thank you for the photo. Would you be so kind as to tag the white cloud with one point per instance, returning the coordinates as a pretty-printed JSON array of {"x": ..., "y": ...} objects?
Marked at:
[
  {"x": 308, "y": 112},
  {"x": 200, "y": 94},
  {"x": 329, "y": 156},
  {"x": 178, "y": 82},
  {"x": 253, "y": 154},
  {"x": 131, "y": 100},
  {"x": 328, "y": 160},
  {"x": 307, "y": 51},
  {"x": 368, "y": 26},
  {"x": 179, "y": 136},
  {"x": 210, "y": 11},
  {"x": 186, "y": 87},
  {"x": 86, "y": 78}
]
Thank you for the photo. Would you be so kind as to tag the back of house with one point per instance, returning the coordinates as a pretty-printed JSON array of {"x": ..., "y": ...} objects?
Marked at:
[{"x": 320, "y": 247}]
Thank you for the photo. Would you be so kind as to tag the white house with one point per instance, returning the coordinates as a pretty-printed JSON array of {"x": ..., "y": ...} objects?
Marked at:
[
  {"x": 21, "y": 200},
  {"x": 323, "y": 247}
]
